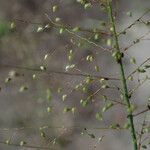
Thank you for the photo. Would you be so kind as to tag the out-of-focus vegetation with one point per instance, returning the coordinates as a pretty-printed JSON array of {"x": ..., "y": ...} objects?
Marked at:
[
  {"x": 4, "y": 28},
  {"x": 60, "y": 85}
]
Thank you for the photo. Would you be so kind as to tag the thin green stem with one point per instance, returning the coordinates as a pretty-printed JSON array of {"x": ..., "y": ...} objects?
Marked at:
[{"x": 122, "y": 77}]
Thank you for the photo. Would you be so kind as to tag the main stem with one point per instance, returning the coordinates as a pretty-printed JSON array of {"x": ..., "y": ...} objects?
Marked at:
[{"x": 123, "y": 78}]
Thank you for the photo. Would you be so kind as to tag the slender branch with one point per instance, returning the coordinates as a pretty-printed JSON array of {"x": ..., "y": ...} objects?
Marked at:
[
  {"x": 57, "y": 25},
  {"x": 98, "y": 90},
  {"x": 136, "y": 41},
  {"x": 93, "y": 94},
  {"x": 59, "y": 127},
  {"x": 134, "y": 71},
  {"x": 137, "y": 20},
  {"x": 77, "y": 35},
  {"x": 142, "y": 21},
  {"x": 139, "y": 85},
  {"x": 146, "y": 138},
  {"x": 69, "y": 30},
  {"x": 48, "y": 72},
  {"x": 26, "y": 146},
  {"x": 117, "y": 102},
  {"x": 143, "y": 111},
  {"x": 123, "y": 78},
  {"x": 28, "y": 22},
  {"x": 81, "y": 29},
  {"x": 141, "y": 133}
]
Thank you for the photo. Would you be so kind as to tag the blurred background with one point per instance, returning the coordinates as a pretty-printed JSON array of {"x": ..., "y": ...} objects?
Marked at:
[{"x": 43, "y": 106}]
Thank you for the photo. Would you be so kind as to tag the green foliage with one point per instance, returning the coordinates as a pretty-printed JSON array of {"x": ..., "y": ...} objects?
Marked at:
[
  {"x": 4, "y": 28},
  {"x": 49, "y": 94},
  {"x": 23, "y": 88},
  {"x": 107, "y": 106}
]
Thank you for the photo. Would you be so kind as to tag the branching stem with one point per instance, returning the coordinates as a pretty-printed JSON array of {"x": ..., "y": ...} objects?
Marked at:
[{"x": 122, "y": 77}]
